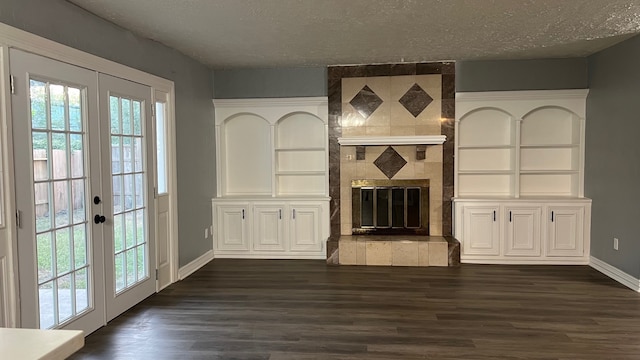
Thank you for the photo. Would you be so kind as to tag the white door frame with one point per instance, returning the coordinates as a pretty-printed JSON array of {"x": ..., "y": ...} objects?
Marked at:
[{"x": 19, "y": 39}]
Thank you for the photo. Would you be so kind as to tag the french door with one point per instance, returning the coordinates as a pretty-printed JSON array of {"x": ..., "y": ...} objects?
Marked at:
[
  {"x": 82, "y": 193},
  {"x": 130, "y": 253}
]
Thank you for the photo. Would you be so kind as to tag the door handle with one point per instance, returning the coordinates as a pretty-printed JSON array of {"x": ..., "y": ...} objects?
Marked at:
[
  {"x": 280, "y": 214},
  {"x": 509, "y": 216},
  {"x": 99, "y": 219},
  {"x": 552, "y": 216},
  {"x": 494, "y": 215},
  {"x": 242, "y": 214},
  {"x": 294, "y": 214}
]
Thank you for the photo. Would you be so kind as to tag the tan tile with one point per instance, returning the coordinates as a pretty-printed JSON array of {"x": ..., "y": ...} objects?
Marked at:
[
  {"x": 407, "y": 172},
  {"x": 434, "y": 172},
  {"x": 347, "y": 171},
  {"x": 351, "y": 86},
  {"x": 346, "y": 228},
  {"x": 435, "y": 226},
  {"x": 403, "y": 130},
  {"x": 423, "y": 253},
  {"x": 361, "y": 167},
  {"x": 431, "y": 115},
  {"x": 347, "y": 252},
  {"x": 347, "y": 154},
  {"x": 428, "y": 130},
  {"x": 381, "y": 85},
  {"x": 378, "y": 253},
  {"x": 351, "y": 117},
  {"x": 380, "y": 117},
  {"x": 372, "y": 172},
  {"x": 361, "y": 252},
  {"x": 438, "y": 253},
  {"x": 418, "y": 167},
  {"x": 378, "y": 131},
  {"x": 354, "y": 131},
  {"x": 372, "y": 152},
  {"x": 434, "y": 154},
  {"x": 432, "y": 84},
  {"x": 408, "y": 152},
  {"x": 404, "y": 253},
  {"x": 400, "y": 85},
  {"x": 400, "y": 115}
]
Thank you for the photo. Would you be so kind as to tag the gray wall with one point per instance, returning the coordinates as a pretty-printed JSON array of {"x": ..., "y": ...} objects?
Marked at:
[
  {"x": 612, "y": 174},
  {"x": 270, "y": 83},
  {"x": 63, "y": 22},
  {"x": 504, "y": 75}
]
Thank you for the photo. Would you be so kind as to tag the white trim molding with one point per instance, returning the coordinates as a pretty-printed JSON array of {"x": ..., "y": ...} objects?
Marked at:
[
  {"x": 271, "y": 109},
  {"x": 616, "y": 274},
  {"x": 522, "y": 94},
  {"x": 392, "y": 140},
  {"x": 195, "y": 265}
]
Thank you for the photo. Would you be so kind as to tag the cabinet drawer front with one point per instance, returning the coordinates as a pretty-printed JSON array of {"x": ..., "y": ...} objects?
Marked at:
[
  {"x": 566, "y": 231},
  {"x": 268, "y": 229},
  {"x": 481, "y": 234},
  {"x": 232, "y": 228},
  {"x": 305, "y": 229},
  {"x": 522, "y": 231}
]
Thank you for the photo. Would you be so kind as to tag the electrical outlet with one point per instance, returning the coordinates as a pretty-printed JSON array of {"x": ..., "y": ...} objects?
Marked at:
[
  {"x": 615, "y": 243},
  {"x": 206, "y": 233}
]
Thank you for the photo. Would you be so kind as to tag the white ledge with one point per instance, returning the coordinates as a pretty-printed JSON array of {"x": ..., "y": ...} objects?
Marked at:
[{"x": 392, "y": 140}]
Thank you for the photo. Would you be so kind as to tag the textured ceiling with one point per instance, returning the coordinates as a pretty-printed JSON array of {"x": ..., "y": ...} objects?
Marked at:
[{"x": 271, "y": 33}]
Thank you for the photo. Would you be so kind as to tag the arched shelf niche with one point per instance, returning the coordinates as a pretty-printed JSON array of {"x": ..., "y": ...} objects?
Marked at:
[
  {"x": 301, "y": 155},
  {"x": 247, "y": 155},
  {"x": 486, "y": 156}
]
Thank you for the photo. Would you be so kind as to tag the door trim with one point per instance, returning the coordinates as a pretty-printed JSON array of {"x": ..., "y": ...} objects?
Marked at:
[{"x": 11, "y": 37}]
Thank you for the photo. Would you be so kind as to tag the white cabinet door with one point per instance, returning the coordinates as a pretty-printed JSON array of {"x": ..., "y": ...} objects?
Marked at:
[
  {"x": 305, "y": 228},
  {"x": 566, "y": 231},
  {"x": 522, "y": 230},
  {"x": 232, "y": 227},
  {"x": 268, "y": 229},
  {"x": 481, "y": 232}
]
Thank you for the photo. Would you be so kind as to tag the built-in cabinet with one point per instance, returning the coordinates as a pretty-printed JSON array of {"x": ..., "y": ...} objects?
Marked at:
[
  {"x": 272, "y": 194},
  {"x": 271, "y": 228},
  {"x": 519, "y": 189}
]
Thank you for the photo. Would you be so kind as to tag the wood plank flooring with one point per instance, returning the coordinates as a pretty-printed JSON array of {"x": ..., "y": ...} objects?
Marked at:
[{"x": 302, "y": 310}]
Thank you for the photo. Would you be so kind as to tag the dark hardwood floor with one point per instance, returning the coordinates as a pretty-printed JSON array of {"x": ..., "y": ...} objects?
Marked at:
[{"x": 300, "y": 310}]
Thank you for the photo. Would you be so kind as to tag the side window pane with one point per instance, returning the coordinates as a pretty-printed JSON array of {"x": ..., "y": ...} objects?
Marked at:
[{"x": 161, "y": 151}]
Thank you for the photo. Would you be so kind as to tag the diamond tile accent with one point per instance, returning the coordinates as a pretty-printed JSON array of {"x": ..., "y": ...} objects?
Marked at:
[
  {"x": 390, "y": 162},
  {"x": 415, "y": 100},
  {"x": 366, "y": 101}
]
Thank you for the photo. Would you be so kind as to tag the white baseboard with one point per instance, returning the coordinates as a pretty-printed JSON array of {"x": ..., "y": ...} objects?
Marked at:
[
  {"x": 196, "y": 264},
  {"x": 616, "y": 274}
]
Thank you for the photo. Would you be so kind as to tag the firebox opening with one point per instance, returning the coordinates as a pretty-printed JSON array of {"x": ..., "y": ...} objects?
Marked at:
[{"x": 390, "y": 207}]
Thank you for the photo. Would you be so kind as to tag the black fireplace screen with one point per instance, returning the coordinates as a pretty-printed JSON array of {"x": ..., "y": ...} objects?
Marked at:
[{"x": 390, "y": 206}]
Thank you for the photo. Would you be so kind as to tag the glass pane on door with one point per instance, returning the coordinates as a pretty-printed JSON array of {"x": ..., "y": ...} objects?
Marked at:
[
  {"x": 128, "y": 187},
  {"x": 59, "y": 183}
]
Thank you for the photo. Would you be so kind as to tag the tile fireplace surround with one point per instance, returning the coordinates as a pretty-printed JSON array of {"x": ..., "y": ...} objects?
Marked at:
[{"x": 392, "y": 101}]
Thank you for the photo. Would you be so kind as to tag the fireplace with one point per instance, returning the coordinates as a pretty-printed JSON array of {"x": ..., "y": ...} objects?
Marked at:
[
  {"x": 391, "y": 123},
  {"x": 390, "y": 207}
]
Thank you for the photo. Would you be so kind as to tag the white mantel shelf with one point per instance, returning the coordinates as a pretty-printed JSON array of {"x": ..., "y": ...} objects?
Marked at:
[{"x": 392, "y": 140}]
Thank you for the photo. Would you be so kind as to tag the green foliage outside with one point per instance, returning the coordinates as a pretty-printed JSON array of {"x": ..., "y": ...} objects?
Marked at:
[
  {"x": 65, "y": 253},
  {"x": 131, "y": 116}
]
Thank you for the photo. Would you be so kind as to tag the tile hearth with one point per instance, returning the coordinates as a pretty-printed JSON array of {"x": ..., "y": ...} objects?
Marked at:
[{"x": 398, "y": 250}]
